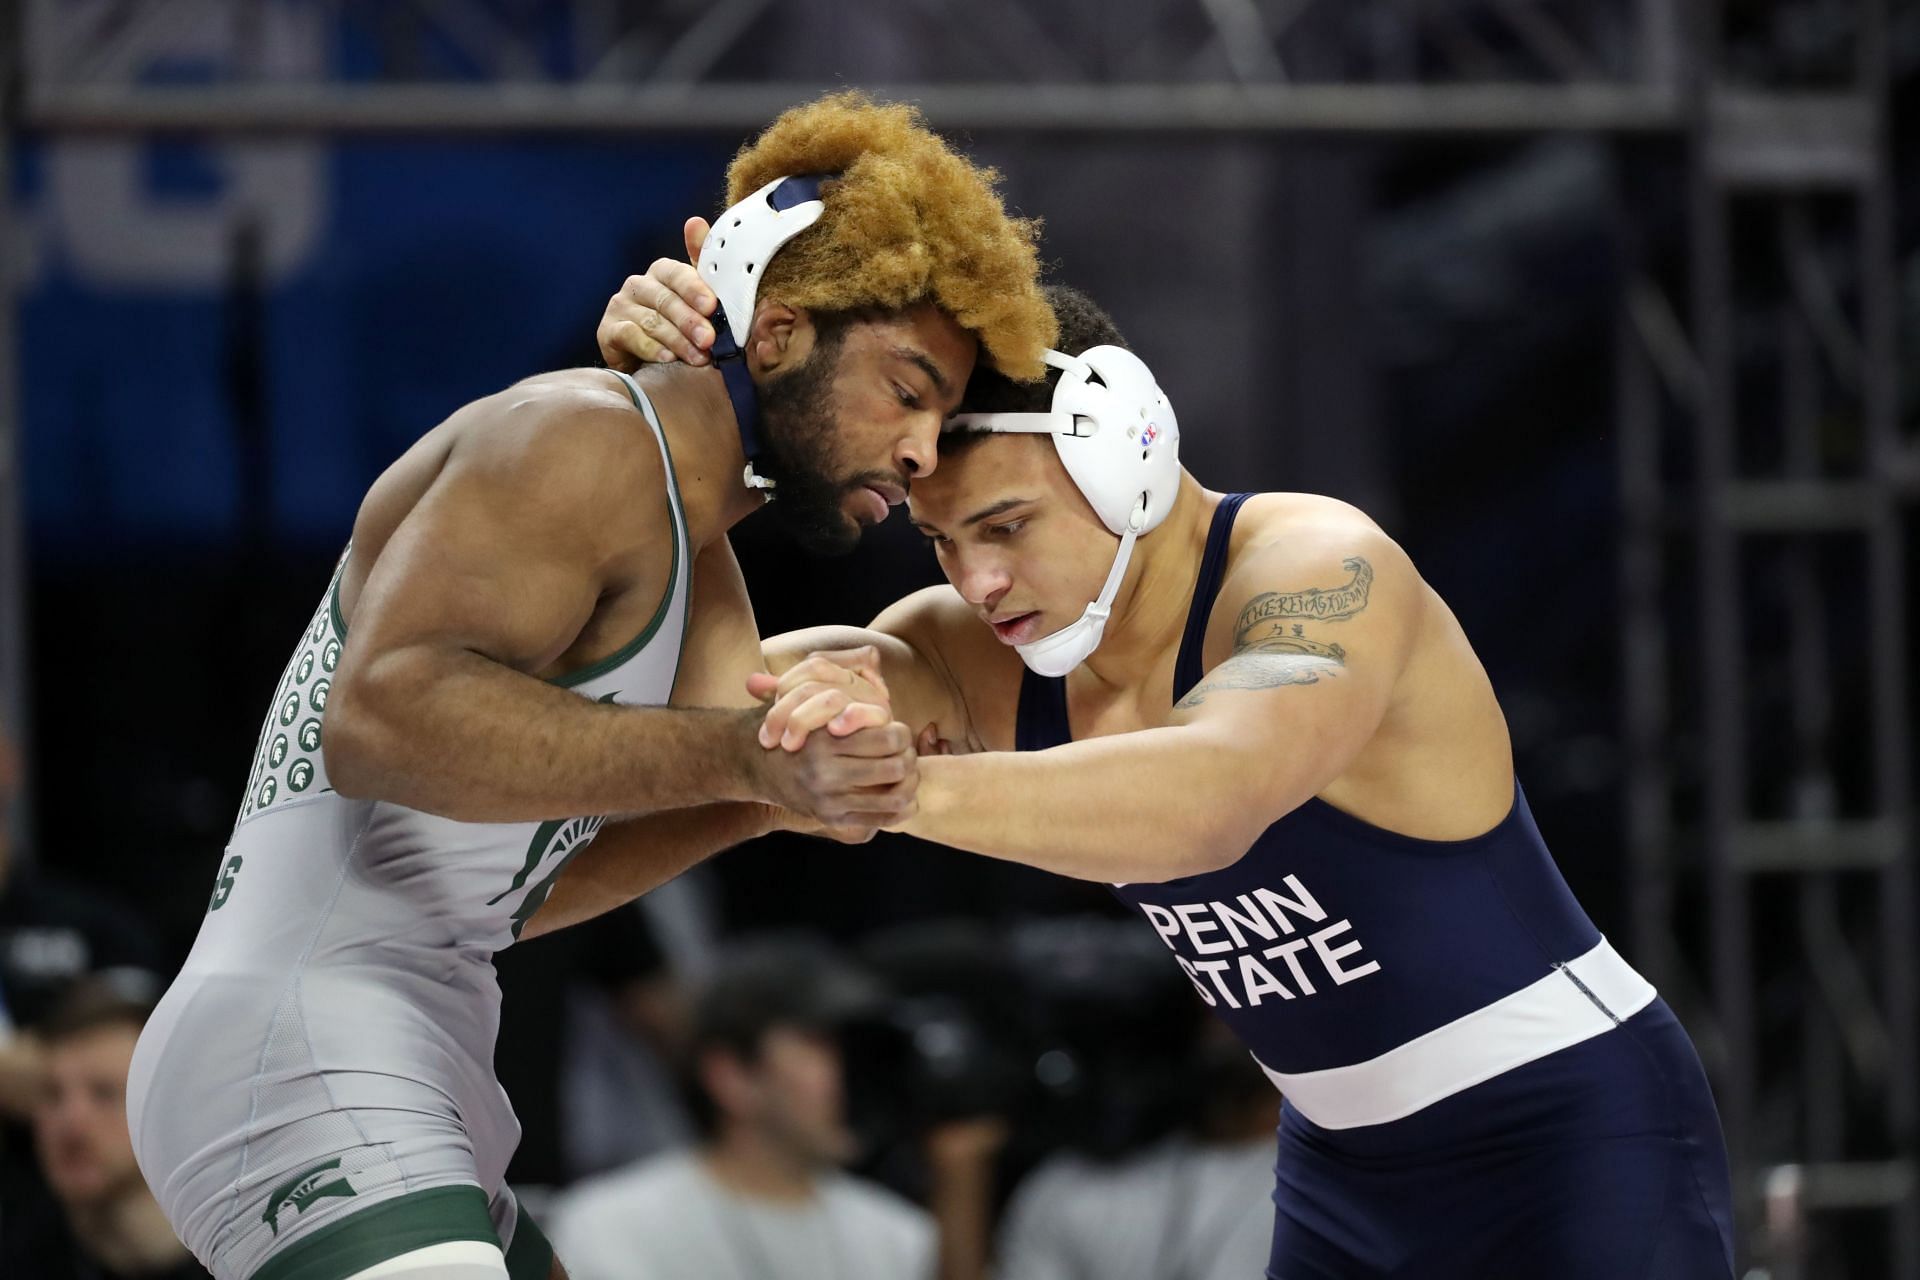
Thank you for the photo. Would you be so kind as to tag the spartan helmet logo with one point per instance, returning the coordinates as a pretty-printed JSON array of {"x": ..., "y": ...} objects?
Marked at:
[
  {"x": 300, "y": 777},
  {"x": 278, "y": 751},
  {"x": 290, "y": 708},
  {"x": 317, "y": 699},
  {"x": 319, "y": 628},
  {"x": 330, "y": 656},
  {"x": 309, "y": 736},
  {"x": 305, "y": 669},
  {"x": 268, "y": 787}
]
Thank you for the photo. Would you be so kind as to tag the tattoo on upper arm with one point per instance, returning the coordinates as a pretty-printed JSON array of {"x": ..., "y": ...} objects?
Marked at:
[
  {"x": 1261, "y": 670},
  {"x": 1321, "y": 604},
  {"x": 1269, "y": 651}
]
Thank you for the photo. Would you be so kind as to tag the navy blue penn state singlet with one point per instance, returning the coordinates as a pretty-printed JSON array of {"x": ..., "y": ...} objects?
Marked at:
[{"x": 1475, "y": 1084}]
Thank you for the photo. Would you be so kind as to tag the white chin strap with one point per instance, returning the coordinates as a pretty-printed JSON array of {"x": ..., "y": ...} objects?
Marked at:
[{"x": 1056, "y": 654}]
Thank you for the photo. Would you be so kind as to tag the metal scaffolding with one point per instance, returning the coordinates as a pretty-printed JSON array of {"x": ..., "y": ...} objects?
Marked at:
[
  {"x": 1737, "y": 504},
  {"x": 1786, "y": 545},
  {"x": 1240, "y": 66}
]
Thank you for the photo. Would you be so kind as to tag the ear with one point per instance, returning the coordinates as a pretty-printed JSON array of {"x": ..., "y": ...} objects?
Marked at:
[
  {"x": 726, "y": 1081},
  {"x": 781, "y": 338}
]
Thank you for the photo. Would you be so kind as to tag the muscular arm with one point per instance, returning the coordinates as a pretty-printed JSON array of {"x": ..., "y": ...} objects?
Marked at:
[
  {"x": 1321, "y": 632},
  {"x": 920, "y": 679},
  {"x": 636, "y": 855},
  {"x": 490, "y": 578}
]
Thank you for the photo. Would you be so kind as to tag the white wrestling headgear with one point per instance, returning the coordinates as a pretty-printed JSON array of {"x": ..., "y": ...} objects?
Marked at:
[
  {"x": 733, "y": 262},
  {"x": 1116, "y": 433}
]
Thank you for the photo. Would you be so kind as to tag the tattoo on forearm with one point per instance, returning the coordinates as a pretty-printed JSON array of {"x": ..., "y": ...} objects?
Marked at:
[{"x": 1321, "y": 604}]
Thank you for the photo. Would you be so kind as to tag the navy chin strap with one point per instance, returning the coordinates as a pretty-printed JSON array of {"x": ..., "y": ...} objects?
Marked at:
[{"x": 731, "y": 360}]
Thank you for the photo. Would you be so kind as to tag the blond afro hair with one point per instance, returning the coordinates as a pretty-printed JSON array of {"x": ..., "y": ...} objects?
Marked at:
[{"x": 908, "y": 220}]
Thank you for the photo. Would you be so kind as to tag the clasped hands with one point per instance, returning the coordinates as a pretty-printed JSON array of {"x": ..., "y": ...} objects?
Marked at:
[{"x": 862, "y": 773}]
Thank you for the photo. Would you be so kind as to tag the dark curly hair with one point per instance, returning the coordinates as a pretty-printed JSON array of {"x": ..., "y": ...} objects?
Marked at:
[
  {"x": 907, "y": 220},
  {"x": 1082, "y": 324}
]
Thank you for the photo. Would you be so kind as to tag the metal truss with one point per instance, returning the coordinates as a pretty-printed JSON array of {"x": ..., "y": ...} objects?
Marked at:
[
  {"x": 1785, "y": 543},
  {"x": 1358, "y": 66}
]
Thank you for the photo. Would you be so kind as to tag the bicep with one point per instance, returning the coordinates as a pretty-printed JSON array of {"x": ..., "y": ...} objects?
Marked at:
[
  {"x": 510, "y": 572},
  {"x": 1318, "y": 641},
  {"x": 920, "y": 693},
  {"x": 723, "y": 642}
]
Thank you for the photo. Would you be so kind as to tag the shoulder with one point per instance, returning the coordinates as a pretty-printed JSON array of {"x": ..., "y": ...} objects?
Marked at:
[
  {"x": 937, "y": 621},
  {"x": 875, "y": 1208},
  {"x": 638, "y": 1192},
  {"x": 982, "y": 675},
  {"x": 934, "y": 614},
  {"x": 1058, "y": 1182},
  {"x": 1282, "y": 533},
  {"x": 572, "y": 431},
  {"x": 1308, "y": 558}
]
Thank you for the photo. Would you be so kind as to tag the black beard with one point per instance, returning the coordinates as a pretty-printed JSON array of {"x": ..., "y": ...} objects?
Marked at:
[{"x": 796, "y": 453}]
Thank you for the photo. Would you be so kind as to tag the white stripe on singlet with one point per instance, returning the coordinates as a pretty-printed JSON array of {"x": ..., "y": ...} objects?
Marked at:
[
  {"x": 1580, "y": 999},
  {"x": 451, "y": 1260}
]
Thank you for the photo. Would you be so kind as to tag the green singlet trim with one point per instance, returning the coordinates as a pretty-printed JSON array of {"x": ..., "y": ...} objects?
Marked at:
[
  {"x": 529, "y": 1257},
  {"x": 387, "y": 1230},
  {"x": 676, "y": 511}
]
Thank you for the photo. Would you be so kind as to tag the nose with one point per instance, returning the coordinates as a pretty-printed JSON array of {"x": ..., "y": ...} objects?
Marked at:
[
  {"x": 981, "y": 581},
  {"x": 918, "y": 451}
]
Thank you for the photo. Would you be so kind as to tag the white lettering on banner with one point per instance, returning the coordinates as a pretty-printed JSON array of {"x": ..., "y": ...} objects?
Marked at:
[
  {"x": 100, "y": 211},
  {"x": 1250, "y": 975}
]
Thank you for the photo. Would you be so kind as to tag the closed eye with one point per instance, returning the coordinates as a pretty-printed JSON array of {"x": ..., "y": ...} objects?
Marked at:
[
  {"x": 1006, "y": 530},
  {"x": 909, "y": 398}
]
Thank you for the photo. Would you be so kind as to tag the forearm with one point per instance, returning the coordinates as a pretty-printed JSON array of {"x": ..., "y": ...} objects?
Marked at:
[
  {"x": 1132, "y": 808},
  {"x": 919, "y": 691},
  {"x": 634, "y": 856},
  {"x": 466, "y": 738},
  {"x": 961, "y": 1199}
]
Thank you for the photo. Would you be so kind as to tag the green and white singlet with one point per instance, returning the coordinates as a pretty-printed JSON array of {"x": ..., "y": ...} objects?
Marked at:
[{"x": 315, "y": 1093}]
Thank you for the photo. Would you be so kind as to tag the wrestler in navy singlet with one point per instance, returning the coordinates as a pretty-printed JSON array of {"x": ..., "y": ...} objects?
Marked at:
[{"x": 1476, "y": 1085}]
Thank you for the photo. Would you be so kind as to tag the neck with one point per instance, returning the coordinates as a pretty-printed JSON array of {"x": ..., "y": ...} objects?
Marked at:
[
  {"x": 748, "y": 1163},
  {"x": 125, "y": 1232},
  {"x": 1150, "y": 611},
  {"x": 705, "y": 438}
]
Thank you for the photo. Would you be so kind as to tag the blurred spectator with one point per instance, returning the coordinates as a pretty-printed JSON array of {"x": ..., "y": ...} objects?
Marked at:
[
  {"x": 609, "y": 995},
  {"x": 99, "y": 1222},
  {"x": 763, "y": 1197},
  {"x": 1194, "y": 1207},
  {"x": 51, "y": 934}
]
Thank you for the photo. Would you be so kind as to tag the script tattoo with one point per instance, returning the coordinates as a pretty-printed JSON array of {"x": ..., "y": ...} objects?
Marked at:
[
  {"x": 1320, "y": 604},
  {"x": 1268, "y": 661}
]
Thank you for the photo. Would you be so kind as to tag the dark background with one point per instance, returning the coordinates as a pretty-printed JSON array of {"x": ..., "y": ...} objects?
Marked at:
[{"x": 221, "y": 343}]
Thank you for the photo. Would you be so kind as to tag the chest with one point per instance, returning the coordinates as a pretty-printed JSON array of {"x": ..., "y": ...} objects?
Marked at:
[{"x": 1098, "y": 710}]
